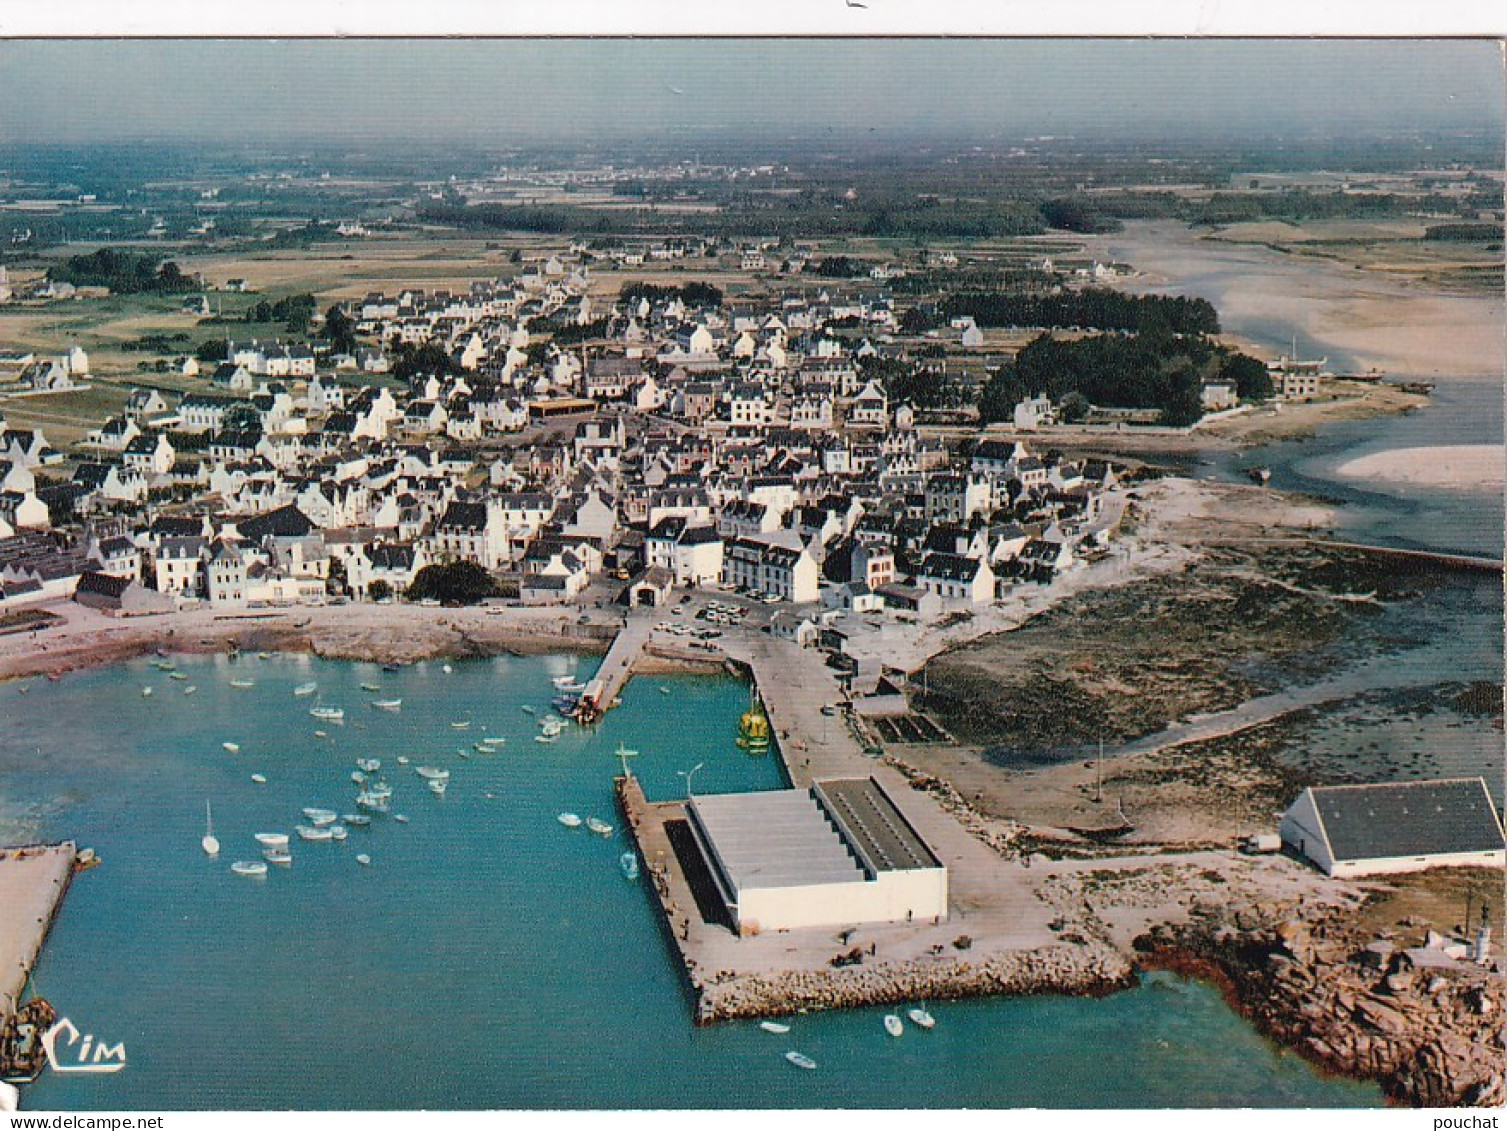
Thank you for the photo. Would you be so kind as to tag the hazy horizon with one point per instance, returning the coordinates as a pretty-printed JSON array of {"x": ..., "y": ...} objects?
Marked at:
[{"x": 532, "y": 91}]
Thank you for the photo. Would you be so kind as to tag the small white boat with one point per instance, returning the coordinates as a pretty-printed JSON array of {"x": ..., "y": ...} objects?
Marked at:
[
  {"x": 178, "y": 676},
  {"x": 920, "y": 1017},
  {"x": 190, "y": 690},
  {"x": 231, "y": 747},
  {"x": 800, "y": 1060},
  {"x": 893, "y": 1025},
  {"x": 306, "y": 689},
  {"x": 358, "y": 777},
  {"x": 243, "y": 683},
  {"x": 320, "y": 817},
  {"x": 437, "y": 786},
  {"x": 459, "y": 726},
  {"x": 432, "y": 773},
  {"x": 329, "y": 714},
  {"x": 371, "y": 687},
  {"x": 312, "y": 832},
  {"x": 339, "y": 832},
  {"x": 249, "y": 867},
  {"x": 527, "y": 710},
  {"x": 401, "y": 818},
  {"x": 597, "y": 825},
  {"x": 773, "y": 1027},
  {"x": 264, "y": 655},
  {"x": 364, "y": 860},
  {"x": 162, "y": 665},
  {"x": 355, "y": 820},
  {"x": 446, "y": 668},
  {"x": 209, "y": 842},
  {"x": 259, "y": 779},
  {"x": 402, "y": 759},
  {"x": 628, "y": 862},
  {"x": 563, "y": 681},
  {"x": 369, "y": 765},
  {"x": 320, "y": 734},
  {"x": 279, "y": 856},
  {"x": 664, "y": 691},
  {"x": 146, "y": 692},
  {"x": 388, "y": 704},
  {"x": 272, "y": 840},
  {"x": 546, "y": 739},
  {"x": 569, "y": 820}
]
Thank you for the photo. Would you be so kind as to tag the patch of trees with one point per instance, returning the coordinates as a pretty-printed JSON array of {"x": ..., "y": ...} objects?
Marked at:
[
  {"x": 410, "y": 360},
  {"x": 339, "y": 330},
  {"x": 692, "y": 294},
  {"x": 1091, "y": 309},
  {"x": 124, "y": 272},
  {"x": 837, "y": 267},
  {"x": 463, "y": 582},
  {"x": 295, "y": 311},
  {"x": 1463, "y": 233},
  {"x": 570, "y": 332},
  {"x": 156, "y": 343},
  {"x": 1075, "y": 214},
  {"x": 215, "y": 349}
]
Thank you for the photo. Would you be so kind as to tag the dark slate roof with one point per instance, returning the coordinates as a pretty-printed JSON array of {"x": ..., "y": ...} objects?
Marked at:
[
  {"x": 1423, "y": 818},
  {"x": 284, "y": 522},
  {"x": 465, "y": 516},
  {"x": 102, "y": 584}
]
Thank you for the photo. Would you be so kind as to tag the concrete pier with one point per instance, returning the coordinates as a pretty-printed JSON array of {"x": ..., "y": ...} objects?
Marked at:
[
  {"x": 33, "y": 881},
  {"x": 617, "y": 666}
]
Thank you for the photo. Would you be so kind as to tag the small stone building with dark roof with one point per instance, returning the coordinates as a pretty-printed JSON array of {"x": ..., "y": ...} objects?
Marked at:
[{"x": 1367, "y": 830}]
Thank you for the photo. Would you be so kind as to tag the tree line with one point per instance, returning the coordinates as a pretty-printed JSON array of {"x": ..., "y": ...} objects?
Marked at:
[
  {"x": 124, "y": 272},
  {"x": 1091, "y": 309}
]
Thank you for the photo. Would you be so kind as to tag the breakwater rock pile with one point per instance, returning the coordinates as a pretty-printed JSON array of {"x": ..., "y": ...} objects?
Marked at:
[
  {"x": 1430, "y": 1032},
  {"x": 1088, "y": 969}
]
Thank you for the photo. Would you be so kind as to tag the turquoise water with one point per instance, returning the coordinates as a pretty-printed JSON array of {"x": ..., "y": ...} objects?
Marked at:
[{"x": 489, "y": 958}]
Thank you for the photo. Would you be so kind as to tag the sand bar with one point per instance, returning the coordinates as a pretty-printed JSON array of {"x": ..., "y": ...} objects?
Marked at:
[{"x": 1465, "y": 467}]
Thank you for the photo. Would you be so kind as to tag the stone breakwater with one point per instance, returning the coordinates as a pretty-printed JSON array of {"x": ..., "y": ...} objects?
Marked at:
[
  {"x": 1430, "y": 1039},
  {"x": 1085, "y": 970}
]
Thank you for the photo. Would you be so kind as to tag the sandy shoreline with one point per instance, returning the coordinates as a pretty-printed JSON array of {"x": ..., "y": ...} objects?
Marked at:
[{"x": 1465, "y": 467}]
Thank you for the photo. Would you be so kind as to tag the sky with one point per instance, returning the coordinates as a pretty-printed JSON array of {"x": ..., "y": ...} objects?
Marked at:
[{"x": 502, "y": 91}]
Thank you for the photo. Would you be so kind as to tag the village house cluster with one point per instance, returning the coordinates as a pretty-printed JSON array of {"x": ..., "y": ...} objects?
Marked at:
[{"x": 735, "y": 445}]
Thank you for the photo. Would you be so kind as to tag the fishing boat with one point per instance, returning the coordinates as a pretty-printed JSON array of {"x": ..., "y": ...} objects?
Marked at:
[
  {"x": 401, "y": 818},
  {"x": 773, "y": 1027},
  {"x": 162, "y": 665},
  {"x": 459, "y": 726},
  {"x": 249, "y": 867},
  {"x": 753, "y": 727},
  {"x": 373, "y": 802},
  {"x": 392, "y": 667},
  {"x": 402, "y": 759},
  {"x": 546, "y": 739},
  {"x": 561, "y": 682},
  {"x": 272, "y": 840},
  {"x": 177, "y": 675},
  {"x": 569, "y": 820},
  {"x": 800, "y": 1060},
  {"x": 146, "y": 692},
  {"x": 388, "y": 704},
  {"x": 210, "y": 843},
  {"x": 231, "y": 747},
  {"x": 328, "y": 714},
  {"x": 243, "y": 683},
  {"x": 339, "y": 832},
  {"x": 437, "y": 786},
  {"x": 664, "y": 691},
  {"x": 371, "y": 687},
  {"x": 306, "y": 689},
  {"x": 369, "y": 765},
  {"x": 320, "y": 817},
  {"x": 355, "y": 820},
  {"x": 920, "y": 1017},
  {"x": 320, "y": 734},
  {"x": 358, "y": 777},
  {"x": 446, "y": 668},
  {"x": 893, "y": 1025},
  {"x": 551, "y": 727},
  {"x": 462, "y": 752},
  {"x": 628, "y": 862},
  {"x": 1261, "y": 475},
  {"x": 364, "y": 860},
  {"x": 259, "y": 779},
  {"x": 597, "y": 825},
  {"x": 279, "y": 856},
  {"x": 432, "y": 773}
]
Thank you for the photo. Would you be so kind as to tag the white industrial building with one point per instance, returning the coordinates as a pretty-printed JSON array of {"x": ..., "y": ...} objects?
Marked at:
[
  {"x": 1368, "y": 830},
  {"x": 838, "y": 854}
]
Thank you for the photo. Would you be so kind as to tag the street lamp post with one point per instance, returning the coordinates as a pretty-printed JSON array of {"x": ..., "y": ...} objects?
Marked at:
[{"x": 688, "y": 775}]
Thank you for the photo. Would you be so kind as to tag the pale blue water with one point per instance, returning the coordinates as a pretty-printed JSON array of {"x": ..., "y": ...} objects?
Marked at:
[{"x": 489, "y": 958}]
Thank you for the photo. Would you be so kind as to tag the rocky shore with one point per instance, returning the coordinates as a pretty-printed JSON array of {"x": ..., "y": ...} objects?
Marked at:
[
  {"x": 1431, "y": 1038},
  {"x": 1088, "y": 969}
]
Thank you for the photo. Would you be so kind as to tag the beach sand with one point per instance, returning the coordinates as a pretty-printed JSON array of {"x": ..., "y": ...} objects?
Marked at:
[{"x": 1464, "y": 467}]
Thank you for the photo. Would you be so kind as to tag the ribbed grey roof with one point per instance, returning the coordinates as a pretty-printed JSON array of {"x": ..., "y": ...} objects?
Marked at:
[
  {"x": 874, "y": 825},
  {"x": 775, "y": 839},
  {"x": 1423, "y": 818}
]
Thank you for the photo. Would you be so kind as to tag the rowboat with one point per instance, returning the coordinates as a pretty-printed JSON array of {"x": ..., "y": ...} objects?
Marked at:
[
  {"x": 569, "y": 820},
  {"x": 272, "y": 840},
  {"x": 597, "y": 825},
  {"x": 243, "y": 683},
  {"x": 331, "y": 714},
  {"x": 146, "y": 692},
  {"x": 773, "y": 1027},
  {"x": 437, "y": 786},
  {"x": 320, "y": 817},
  {"x": 369, "y": 765},
  {"x": 387, "y": 704},
  {"x": 259, "y": 779},
  {"x": 920, "y": 1017},
  {"x": 800, "y": 1060},
  {"x": 364, "y": 860},
  {"x": 249, "y": 868},
  {"x": 306, "y": 689},
  {"x": 371, "y": 687},
  {"x": 893, "y": 1025},
  {"x": 231, "y": 747},
  {"x": 279, "y": 856}
]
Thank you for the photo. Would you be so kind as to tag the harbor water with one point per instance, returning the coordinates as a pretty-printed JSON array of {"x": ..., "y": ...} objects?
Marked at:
[{"x": 488, "y": 957}]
